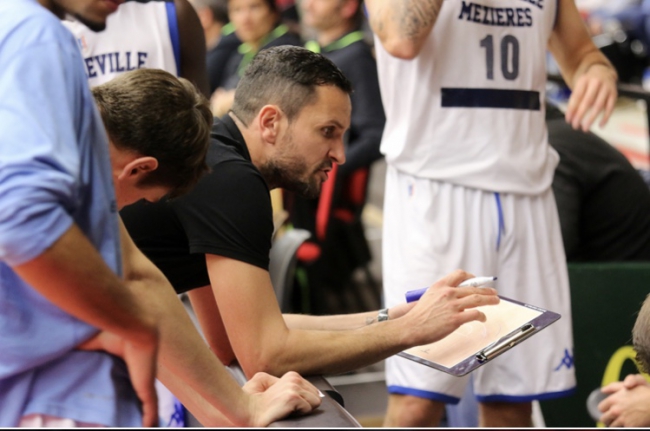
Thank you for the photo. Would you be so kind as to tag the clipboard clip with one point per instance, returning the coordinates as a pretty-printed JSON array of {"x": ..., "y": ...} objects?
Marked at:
[{"x": 501, "y": 346}]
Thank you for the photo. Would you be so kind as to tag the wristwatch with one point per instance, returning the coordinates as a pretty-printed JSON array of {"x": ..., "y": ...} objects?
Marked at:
[{"x": 383, "y": 315}]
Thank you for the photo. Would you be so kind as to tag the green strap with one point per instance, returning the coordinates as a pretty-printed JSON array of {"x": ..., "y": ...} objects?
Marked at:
[
  {"x": 249, "y": 52},
  {"x": 313, "y": 46},
  {"x": 227, "y": 29},
  {"x": 346, "y": 40}
]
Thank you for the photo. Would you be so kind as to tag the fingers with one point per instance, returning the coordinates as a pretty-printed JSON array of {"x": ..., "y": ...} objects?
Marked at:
[
  {"x": 470, "y": 297},
  {"x": 260, "y": 382},
  {"x": 141, "y": 362},
  {"x": 607, "y": 418},
  {"x": 595, "y": 107},
  {"x": 612, "y": 387},
  {"x": 605, "y": 404},
  {"x": 304, "y": 396},
  {"x": 594, "y": 94},
  {"x": 609, "y": 108},
  {"x": 289, "y": 394},
  {"x": 633, "y": 380},
  {"x": 149, "y": 399},
  {"x": 453, "y": 278},
  {"x": 583, "y": 98},
  {"x": 304, "y": 387}
]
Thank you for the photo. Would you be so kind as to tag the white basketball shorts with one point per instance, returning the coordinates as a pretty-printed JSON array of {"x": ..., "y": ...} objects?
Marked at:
[{"x": 432, "y": 228}]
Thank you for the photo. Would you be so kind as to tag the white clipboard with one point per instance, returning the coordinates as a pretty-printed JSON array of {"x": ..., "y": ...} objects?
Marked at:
[{"x": 475, "y": 343}]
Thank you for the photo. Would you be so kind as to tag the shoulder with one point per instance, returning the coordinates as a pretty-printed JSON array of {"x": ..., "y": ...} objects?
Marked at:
[
  {"x": 288, "y": 38},
  {"x": 354, "y": 56},
  {"x": 26, "y": 24},
  {"x": 230, "y": 176}
]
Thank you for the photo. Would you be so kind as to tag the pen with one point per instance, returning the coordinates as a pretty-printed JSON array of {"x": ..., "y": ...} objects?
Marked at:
[{"x": 414, "y": 295}]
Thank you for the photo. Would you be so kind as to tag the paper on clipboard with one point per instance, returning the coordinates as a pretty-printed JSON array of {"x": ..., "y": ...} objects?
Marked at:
[{"x": 508, "y": 323}]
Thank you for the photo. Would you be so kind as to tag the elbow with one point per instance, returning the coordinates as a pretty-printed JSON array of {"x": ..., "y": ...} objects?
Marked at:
[
  {"x": 271, "y": 364},
  {"x": 404, "y": 49},
  {"x": 226, "y": 356}
]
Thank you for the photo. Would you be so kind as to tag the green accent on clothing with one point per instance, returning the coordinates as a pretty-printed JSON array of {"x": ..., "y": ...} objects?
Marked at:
[
  {"x": 249, "y": 51},
  {"x": 346, "y": 40}
]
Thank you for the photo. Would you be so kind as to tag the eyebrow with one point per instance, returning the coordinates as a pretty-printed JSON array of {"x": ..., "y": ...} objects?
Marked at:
[{"x": 339, "y": 125}]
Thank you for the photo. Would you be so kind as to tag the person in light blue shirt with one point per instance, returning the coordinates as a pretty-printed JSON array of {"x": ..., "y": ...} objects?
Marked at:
[
  {"x": 63, "y": 250},
  {"x": 60, "y": 237}
]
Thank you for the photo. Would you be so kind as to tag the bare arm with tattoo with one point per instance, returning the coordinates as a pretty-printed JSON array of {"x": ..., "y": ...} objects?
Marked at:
[{"x": 403, "y": 25}]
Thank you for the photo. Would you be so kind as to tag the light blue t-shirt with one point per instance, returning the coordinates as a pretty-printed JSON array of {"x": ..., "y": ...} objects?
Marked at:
[{"x": 54, "y": 171}]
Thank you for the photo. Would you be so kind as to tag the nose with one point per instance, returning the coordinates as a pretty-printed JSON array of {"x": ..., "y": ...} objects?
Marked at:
[{"x": 337, "y": 153}]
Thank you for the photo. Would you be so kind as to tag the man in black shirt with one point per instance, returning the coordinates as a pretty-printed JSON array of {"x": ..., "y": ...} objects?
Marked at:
[
  {"x": 602, "y": 201},
  {"x": 286, "y": 127}
]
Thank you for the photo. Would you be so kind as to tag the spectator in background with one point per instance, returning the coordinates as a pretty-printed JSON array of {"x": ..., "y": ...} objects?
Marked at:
[
  {"x": 220, "y": 38},
  {"x": 337, "y": 28},
  {"x": 258, "y": 24},
  {"x": 602, "y": 201}
]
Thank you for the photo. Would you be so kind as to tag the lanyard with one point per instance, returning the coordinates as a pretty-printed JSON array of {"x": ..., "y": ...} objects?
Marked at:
[
  {"x": 227, "y": 29},
  {"x": 249, "y": 52},
  {"x": 346, "y": 40}
]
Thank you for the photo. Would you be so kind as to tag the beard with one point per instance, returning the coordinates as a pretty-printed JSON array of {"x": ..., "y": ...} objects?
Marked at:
[{"x": 293, "y": 175}]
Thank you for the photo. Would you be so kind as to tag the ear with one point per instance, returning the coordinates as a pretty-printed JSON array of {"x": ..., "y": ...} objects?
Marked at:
[
  {"x": 349, "y": 8},
  {"x": 270, "y": 118},
  {"x": 138, "y": 168}
]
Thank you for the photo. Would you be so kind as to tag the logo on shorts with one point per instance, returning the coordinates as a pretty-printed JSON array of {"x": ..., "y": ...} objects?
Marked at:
[{"x": 567, "y": 360}]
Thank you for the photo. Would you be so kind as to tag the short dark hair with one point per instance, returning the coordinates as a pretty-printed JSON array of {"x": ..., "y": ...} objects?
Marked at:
[
  {"x": 156, "y": 114},
  {"x": 286, "y": 76}
]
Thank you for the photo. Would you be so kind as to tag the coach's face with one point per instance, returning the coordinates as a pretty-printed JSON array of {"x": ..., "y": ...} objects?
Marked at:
[
  {"x": 313, "y": 142},
  {"x": 93, "y": 13}
]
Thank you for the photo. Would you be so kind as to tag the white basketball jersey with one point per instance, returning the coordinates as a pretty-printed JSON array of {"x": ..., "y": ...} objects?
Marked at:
[
  {"x": 470, "y": 108},
  {"x": 139, "y": 34}
]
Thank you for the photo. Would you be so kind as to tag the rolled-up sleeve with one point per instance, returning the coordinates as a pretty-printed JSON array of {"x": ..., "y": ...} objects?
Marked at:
[{"x": 39, "y": 160}]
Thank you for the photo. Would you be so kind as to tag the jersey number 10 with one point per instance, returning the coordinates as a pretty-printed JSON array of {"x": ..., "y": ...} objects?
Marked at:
[{"x": 509, "y": 56}]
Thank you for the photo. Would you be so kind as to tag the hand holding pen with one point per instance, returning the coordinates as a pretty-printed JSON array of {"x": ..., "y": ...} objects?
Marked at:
[{"x": 414, "y": 295}]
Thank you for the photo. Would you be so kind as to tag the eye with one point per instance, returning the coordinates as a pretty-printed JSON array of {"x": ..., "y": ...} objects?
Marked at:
[{"x": 328, "y": 131}]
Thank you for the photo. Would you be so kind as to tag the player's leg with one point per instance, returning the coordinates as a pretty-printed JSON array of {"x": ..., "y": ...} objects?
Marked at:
[
  {"x": 532, "y": 269},
  {"x": 411, "y": 411},
  {"x": 505, "y": 415}
]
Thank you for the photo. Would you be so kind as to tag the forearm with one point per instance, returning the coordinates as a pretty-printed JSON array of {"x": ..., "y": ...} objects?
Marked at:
[
  {"x": 201, "y": 409},
  {"x": 186, "y": 365},
  {"x": 310, "y": 352},
  {"x": 572, "y": 47},
  {"x": 337, "y": 322},
  {"x": 403, "y": 25},
  {"x": 73, "y": 276}
]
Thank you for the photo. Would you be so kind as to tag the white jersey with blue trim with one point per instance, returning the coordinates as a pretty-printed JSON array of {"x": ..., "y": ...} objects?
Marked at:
[
  {"x": 469, "y": 109},
  {"x": 138, "y": 35}
]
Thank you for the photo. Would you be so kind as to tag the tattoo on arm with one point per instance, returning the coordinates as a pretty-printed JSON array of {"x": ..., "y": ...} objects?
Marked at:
[{"x": 417, "y": 16}]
